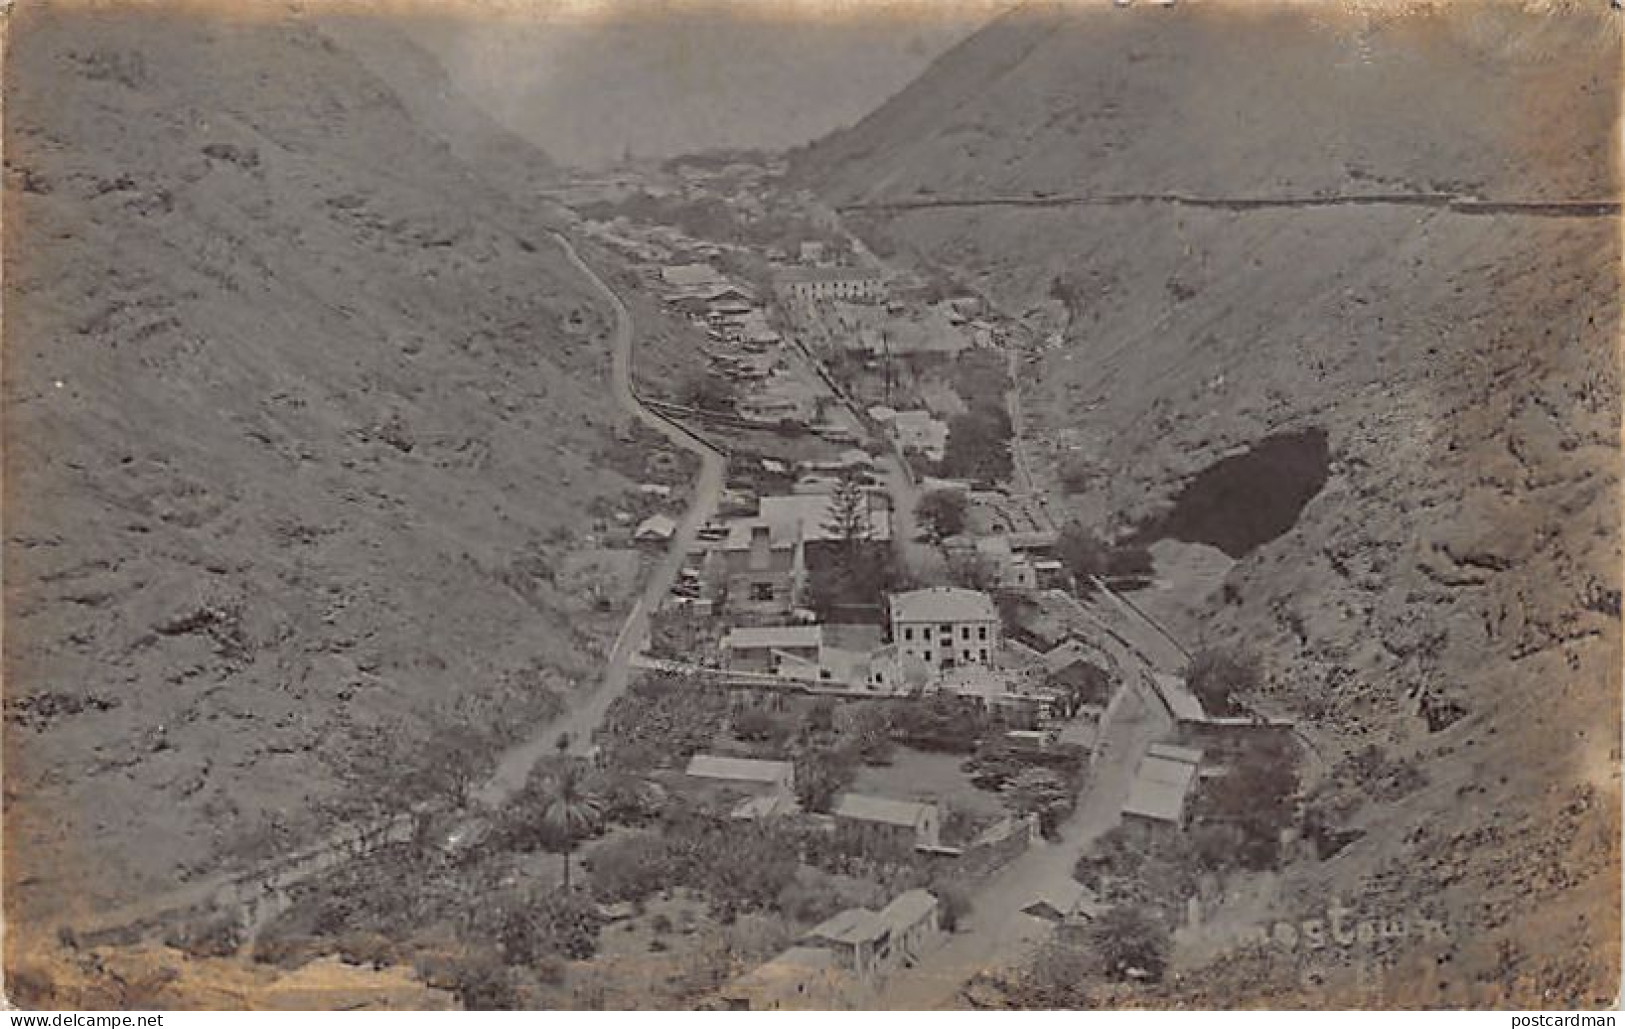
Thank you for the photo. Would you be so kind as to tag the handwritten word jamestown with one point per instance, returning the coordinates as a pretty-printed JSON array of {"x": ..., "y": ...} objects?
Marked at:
[{"x": 1340, "y": 928}]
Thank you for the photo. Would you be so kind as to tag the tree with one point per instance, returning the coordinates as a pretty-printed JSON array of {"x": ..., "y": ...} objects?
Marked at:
[
  {"x": 973, "y": 570},
  {"x": 1217, "y": 674},
  {"x": 868, "y": 727},
  {"x": 1077, "y": 473},
  {"x": 954, "y": 903},
  {"x": 559, "y": 923},
  {"x": 1131, "y": 943},
  {"x": 852, "y": 588},
  {"x": 942, "y": 511},
  {"x": 758, "y": 725},
  {"x": 1082, "y": 552},
  {"x": 978, "y": 444},
  {"x": 820, "y": 717},
  {"x": 569, "y": 811},
  {"x": 708, "y": 392},
  {"x": 1130, "y": 561},
  {"x": 626, "y": 798},
  {"x": 1259, "y": 796},
  {"x": 848, "y": 518},
  {"x": 819, "y": 774},
  {"x": 1079, "y": 683}
]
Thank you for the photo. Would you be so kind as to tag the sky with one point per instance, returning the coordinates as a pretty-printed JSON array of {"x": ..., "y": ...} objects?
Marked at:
[{"x": 591, "y": 80}]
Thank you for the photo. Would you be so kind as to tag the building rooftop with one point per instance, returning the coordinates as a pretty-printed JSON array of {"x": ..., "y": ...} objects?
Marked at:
[
  {"x": 1159, "y": 789},
  {"x": 690, "y": 274},
  {"x": 852, "y": 926},
  {"x": 747, "y": 637},
  {"x": 828, "y": 275},
  {"x": 1162, "y": 769},
  {"x": 768, "y": 805},
  {"x": 908, "y": 908},
  {"x": 1189, "y": 755},
  {"x": 657, "y": 526},
  {"x": 943, "y": 604},
  {"x": 866, "y": 808},
  {"x": 1056, "y": 901},
  {"x": 739, "y": 769},
  {"x": 1160, "y": 801},
  {"x": 1068, "y": 654}
]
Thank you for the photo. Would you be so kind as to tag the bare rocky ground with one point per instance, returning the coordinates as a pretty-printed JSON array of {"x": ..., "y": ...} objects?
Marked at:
[
  {"x": 1451, "y": 594},
  {"x": 303, "y": 411}
]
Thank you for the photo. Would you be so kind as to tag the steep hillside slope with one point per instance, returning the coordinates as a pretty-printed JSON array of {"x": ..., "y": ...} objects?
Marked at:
[
  {"x": 301, "y": 409},
  {"x": 1059, "y": 99},
  {"x": 1450, "y": 594}
]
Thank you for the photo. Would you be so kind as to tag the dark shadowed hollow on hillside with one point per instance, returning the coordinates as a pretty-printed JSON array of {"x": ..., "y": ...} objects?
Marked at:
[{"x": 1245, "y": 501}]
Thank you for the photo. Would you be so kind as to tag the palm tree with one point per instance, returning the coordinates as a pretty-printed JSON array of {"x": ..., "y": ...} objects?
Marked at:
[{"x": 569, "y": 810}]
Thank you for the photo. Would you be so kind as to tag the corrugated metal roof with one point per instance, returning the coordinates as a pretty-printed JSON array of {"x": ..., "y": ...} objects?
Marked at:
[
  {"x": 907, "y": 909},
  {"x": 854, "y": 925},
  {"x": 798, "y": 636},
  {"x": 1189, "y": 755},
  {"x": 865, "y": 808},
  {"x": 1161, "y": 801},
  {"x": 1161, "y": 769},
  {"x": 739, "y": 769}
]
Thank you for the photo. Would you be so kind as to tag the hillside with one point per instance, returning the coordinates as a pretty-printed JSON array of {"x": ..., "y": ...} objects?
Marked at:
[
  {"x": 302, "y": 411},
  {"x": 1438, "y": 576}
]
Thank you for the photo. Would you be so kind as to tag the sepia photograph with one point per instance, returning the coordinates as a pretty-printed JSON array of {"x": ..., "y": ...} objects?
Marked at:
[{"x": 833, "y": 505}]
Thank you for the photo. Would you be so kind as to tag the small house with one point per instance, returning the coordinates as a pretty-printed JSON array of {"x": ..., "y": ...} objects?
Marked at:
[
  {"x": 657, "y": 528},
  {"x": 746, "y": 772},
  {"x": 1162, "y": 786},
  {"x": 908, "y": 824},
  {"x": 765, "y": 648}
]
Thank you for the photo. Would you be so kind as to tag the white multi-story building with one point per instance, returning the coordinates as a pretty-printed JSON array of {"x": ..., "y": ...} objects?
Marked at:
[
  {"x": 831, "y": 284},
  {"x": 945, "y": 627}
]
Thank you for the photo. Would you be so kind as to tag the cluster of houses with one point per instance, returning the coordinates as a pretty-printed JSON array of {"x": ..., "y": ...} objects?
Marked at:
[
  {"x": 768, "y": 790},
  {"x": 934, "y": 633}
]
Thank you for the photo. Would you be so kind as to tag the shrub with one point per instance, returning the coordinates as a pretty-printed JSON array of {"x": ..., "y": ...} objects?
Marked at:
[
  {"x": 218, "y": 938},
  {"x": 563, "y": 924},
  {"x": 1258, "y": 797},
  {"x": 631, "y": 868},
  {"x": 482, "y": 983},
  {"x": 1077, "y": 474},
  {"x": 1217, "y": 674},
  {"x": 820, "y": 773},
  {"x": 363, "y": 948},
  {"x": 942, "y": 511},
  {"x": 953, "y": 904},
  {"x": 758, "y": 725},
  {"x": 1130, "y": 943},
  {"x": 1082, "y": 552}
]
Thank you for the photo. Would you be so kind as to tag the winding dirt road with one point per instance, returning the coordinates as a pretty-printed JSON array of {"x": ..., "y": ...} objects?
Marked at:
[{"x": 578, "y": 724}]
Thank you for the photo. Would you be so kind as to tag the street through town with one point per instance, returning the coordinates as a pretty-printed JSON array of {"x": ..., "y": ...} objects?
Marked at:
[{"x": 997, "y": 934}]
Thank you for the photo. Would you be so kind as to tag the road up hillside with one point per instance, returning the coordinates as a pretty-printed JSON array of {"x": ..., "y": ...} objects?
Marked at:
[{"x": 578, "y": 724}]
